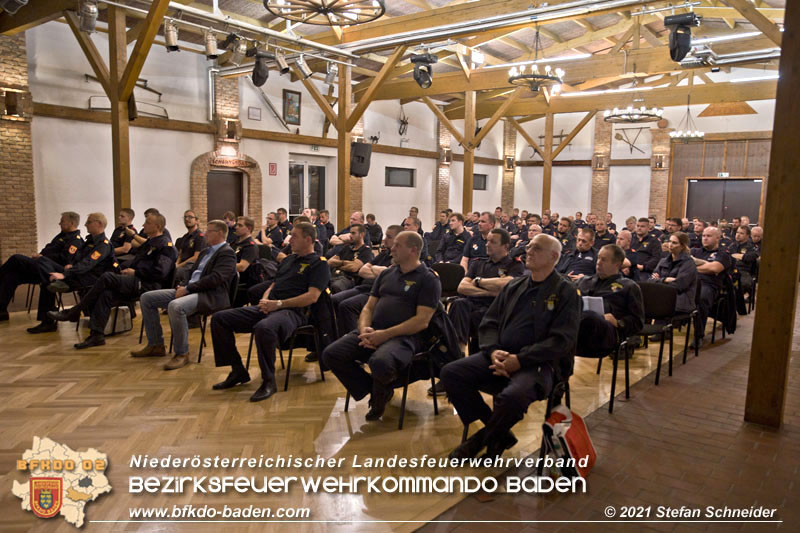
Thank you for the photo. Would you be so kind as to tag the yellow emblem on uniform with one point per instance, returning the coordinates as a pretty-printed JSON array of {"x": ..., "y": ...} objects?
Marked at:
[
  {"x": 743, "y": 251},
  {"x": 579, "y": 291},
  {"x": 303, "y": 266},
  {"x": 169, "y": 243},
  {"x": 105, "y": 241},
  {"x": 73, "y": 249},
  {"x": 323, "y": 258},
  {"x": 96, "y": 255},
  {"x": 616, "y": 286},
  {"x": 409, "y": 284},
  {"x": 551, "y": 302}
]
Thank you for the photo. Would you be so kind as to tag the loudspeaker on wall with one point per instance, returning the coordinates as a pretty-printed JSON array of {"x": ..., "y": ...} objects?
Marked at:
[{"x": 360, "y": 154}]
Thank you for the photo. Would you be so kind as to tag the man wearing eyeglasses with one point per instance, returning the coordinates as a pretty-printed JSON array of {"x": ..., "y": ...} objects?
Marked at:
[
  {"x": 189, "y": 246},
  {"x": 206, "y": 291}
]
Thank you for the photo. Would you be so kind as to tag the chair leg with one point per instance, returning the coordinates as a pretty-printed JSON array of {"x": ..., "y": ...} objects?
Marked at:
[
  {"x": 114, "y": 324},
  {"x": 29, "y": 296},
  {"x": 433, "y": 384},
  {"x": 347, "y": 402},
  {"x": 627, "y": 373},
  {"x": 688, "y": 337},
  {"x": 202, "y": 338},
  {"x": 599, "y": 364},
  {"x": 141, "y": 331},
  {"x": 405, "y": 395},
  {"x": 465, "y": 433},
  {"x": 280, "y": 353},
  {"x": 696, "y": 349},
  {"x": 613, "y": 381},
  {"x": 170, "y": 343},
  {"x": 289, "y": 364},
  {"x": 671, "y": 334},
  {"x": 566, "y": 394},
  {"x": 319, "y": 354},
  {"x": 714, "y": 328},
  {"x": 250, "y": 350},
  {"x": 660, "y": 358}
]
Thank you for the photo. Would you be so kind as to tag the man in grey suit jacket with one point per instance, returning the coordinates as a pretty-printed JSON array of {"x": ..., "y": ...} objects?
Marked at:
[{"x": 207, "y": 291}]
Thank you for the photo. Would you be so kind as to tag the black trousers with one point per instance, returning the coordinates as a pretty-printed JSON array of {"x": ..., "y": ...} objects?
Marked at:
[
  {"x": 109, "y": 288},
  {"x": 708, "y": 295},
  {"x": 345, "y": 357},
  {"x": 269, "y": 330},
  {"x": 465, "y": 378},
  {"x": 21, "y": 269},
  {"x": 596, "y": 335},
  {"x": 466, "y": 316},
  {"x": 348, "y": 305}
]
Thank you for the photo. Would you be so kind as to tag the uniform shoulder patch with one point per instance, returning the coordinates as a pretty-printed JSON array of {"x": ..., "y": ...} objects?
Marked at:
[
  {"x": 202, "y": 234},
  {"x": 96, "y": 255},
  {"x": 169, "y": 243},
  {"x": 323, "y": 258},
  {"x": 105, "y": 241}
]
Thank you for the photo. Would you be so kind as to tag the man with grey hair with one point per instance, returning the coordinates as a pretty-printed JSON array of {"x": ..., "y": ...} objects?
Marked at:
[
  {"x": 206, "y": 291},
  {"x": 527, "y": 341}
]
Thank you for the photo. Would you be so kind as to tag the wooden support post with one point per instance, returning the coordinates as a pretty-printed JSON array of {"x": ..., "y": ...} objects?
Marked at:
[
  {"x": 343, "y": 145},
  {"x": 547, "y": 175},
  {"x": 469, "y": 155},
  {"x": 777, "y": 281},
  {"x": 120, "y": 141}
]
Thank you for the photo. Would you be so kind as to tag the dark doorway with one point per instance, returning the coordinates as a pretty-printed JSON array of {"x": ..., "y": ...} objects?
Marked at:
[
  {"x": 713, "y": 199},
  {"x": 225, "y": 193}
]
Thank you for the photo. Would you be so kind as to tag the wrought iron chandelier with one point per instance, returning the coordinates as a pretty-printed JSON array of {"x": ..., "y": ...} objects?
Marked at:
[
  {"x": 634, "y": 113},
  {"x": 327, "y": 12},
  {"x": 536, "y": 79},
  {"x": 687, "y": 130}
]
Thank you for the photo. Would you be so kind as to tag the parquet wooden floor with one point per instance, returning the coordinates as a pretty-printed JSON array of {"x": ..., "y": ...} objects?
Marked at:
[{"x": 102, "y": 398}]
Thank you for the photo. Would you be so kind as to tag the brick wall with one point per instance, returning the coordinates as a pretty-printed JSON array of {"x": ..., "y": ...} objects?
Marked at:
[
  {"x": 226, "y": 91},
  {"x": 602, "y": 148},
  {"x": 659, "y": 178},
  {"x": 509, "y": 150},
  {"x": 442, "y": 186},
  {"x": 17, "y": 198}
]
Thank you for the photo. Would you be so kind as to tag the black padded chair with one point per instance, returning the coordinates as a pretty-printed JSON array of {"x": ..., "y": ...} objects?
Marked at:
[
  {"x": 620, "y": 349},
  {"x": 751, "y": 300},
  {"x": 659, "y": 306},
  {"x": 450, "y": 275},
  {"x": 433, "y": 247}
]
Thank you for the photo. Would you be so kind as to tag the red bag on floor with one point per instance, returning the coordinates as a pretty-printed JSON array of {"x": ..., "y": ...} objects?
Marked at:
[{"x": 568, "y": 438}]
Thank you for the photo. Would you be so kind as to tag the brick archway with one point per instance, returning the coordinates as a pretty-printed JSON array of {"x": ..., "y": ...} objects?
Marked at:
[{"x": 198, "y": 178}]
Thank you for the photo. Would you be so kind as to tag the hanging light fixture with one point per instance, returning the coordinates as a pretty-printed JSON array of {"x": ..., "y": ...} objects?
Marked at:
[
  {"x": 171, "y": 36},
  {"x": 239, "y": 51},
  {"x": 87, "y": 14},
  {"x": 327, "y": 13},
  {"x": 636, "y": 112},
  {"x": 303, "y": 67},
  {"x": 333, "y": 71},
  {"x": 687, "y": 130},
  {"x": 534, "y": 78},
  {"x": 423, "y": 72},
  {"x": 283, "y": 66},
  {"x": 212, "y": 52}
]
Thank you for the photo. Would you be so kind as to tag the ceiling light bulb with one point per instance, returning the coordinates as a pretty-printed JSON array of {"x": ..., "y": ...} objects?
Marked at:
[{"x": 171, "y": 36}]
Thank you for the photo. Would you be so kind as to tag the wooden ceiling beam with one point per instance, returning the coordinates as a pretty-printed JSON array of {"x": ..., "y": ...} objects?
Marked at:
[
  {"x": 752, "y": 14},
  {"x": 486, "y": 128},
  {"x": 33, "y": 14},
  {"x": 155, "y": 15},
  {"x": 575, "y": 131},
  {"x": 369, "y": 95},
  {"x": 91, "y": 52}
]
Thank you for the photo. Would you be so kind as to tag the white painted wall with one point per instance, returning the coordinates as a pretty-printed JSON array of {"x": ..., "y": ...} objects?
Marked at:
[
  {"x": 571, "y": 190},
  {"x": 390, "y": 204},
  {"x": 528, "y": 189},
  {"x": 628, "y": 192},
  {"x": 481, "y": 200}
]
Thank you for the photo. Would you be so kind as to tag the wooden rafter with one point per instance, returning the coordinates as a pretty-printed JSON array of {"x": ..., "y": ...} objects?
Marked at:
[
  {"x": 90, "y": 51},
  {"x": 321, "y": 101},
  {"x": 758, "y": 20},
  {"x": 486, "y": 128},
  {"x": 446, "y": 121},
  {"x": 33, "y": 14},
  {"x": 369, "y": 95},
  {"x": 526, "y": 135},
  {"x": 142, "y": 48},
  {"x": 563, "y": 144}
]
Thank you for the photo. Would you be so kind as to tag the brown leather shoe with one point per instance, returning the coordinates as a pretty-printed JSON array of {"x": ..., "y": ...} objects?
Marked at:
[
  {"x": 177, "y": 361},
  {"x": 150, "y": 351}
]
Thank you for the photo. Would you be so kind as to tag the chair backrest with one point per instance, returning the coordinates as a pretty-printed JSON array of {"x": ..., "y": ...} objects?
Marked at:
[
  {"x": 450, "y": 275},
  {"x": 433, "y": 247},
  {"x": 265, "y": 251},
  {"x": 659, "y": 300},
  {"x": 233, "y": 288}
]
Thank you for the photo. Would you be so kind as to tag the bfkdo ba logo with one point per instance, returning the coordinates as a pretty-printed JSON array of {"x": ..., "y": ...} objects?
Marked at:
[{"x": 46, "y": 496}]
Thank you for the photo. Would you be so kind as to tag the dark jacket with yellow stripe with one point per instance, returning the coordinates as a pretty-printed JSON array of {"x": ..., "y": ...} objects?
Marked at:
[{"x": 94, "y": 258}]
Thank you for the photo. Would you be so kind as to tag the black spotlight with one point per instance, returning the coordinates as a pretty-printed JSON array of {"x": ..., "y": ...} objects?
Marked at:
[
  {"x": 423, "y": 73},
  {"x": 229, "y": 40},
  {"x": 260, "y": 69},
  {"x": 680, "y": 39}
]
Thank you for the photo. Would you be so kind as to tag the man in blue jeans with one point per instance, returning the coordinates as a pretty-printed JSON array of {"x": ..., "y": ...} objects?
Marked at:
[{"x": 206, "y": 292}]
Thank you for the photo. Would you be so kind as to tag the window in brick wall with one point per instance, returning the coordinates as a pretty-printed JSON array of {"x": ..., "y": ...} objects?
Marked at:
[
  {"x": 479, "y": 182},
  {"x": 400, "y": 177}
]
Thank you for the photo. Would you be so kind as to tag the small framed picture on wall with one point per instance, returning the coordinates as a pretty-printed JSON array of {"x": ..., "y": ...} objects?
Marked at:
[{"x": 291, "y": 107}]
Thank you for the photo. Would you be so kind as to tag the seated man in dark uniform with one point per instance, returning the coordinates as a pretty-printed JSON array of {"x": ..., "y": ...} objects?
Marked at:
[
  {"x": 346, "y": 263},
  {"x": 527, "y": 341},
  {"x": 452, "y": 247},
  {"x": 140, "y": 237},
  {"x": 299, "y": 282},
  {"x": 712, "y": 266},
  {"x": 696, "y": 238},
  {"x": 272, "y": 234},
  {"x": 653, "y": 230},
  {"x": 121, "y": 239},
  {"x": 400, "y": 306},
  {"x": 325, "y": 220},
  {"x": 601, "y": 235},
  {"x": 189, "y": 247},
  {"x": 564, "y": 235},
  {"x": 246, "y": 256},
  {"x": 414, "y": 224},
  {"x": 149, "y": 270},
  {"x": 579, "y": 262},
  {"x": 343, "y": 237},
  {"x": 374, "y": 231},
  {"x": 629, "y": 266},
  {"x": 58, "y": 252},
  {"x": 610, "y": 224},
  {"x": 746, "y": 259},
  {"x": 622, "y": 304},
  {"x": 521, "y": 246},
  {"x": 440, "y": 228},
  {"x": 91, "y": 260},
  {"x": 348, "y": 304},
  {"x": 646, "y": 247},
  {"x": 484, "y": 280},
  {"x": 476, "y": 245},
  {"x": 548, "y": 228}
]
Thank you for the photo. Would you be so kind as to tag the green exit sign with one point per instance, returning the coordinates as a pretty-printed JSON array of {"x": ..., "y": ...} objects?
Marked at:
[{"x": 315, "y": 148}]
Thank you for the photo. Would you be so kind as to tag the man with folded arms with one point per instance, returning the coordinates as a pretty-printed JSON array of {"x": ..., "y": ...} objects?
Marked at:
[
  {"x": 400, "y": 306},
  {"x": 150, "y": 269},
  {"x": 527, "y": 341},
  {"x": 207, "y": 291},
  {"x": 299, "y": 282}
]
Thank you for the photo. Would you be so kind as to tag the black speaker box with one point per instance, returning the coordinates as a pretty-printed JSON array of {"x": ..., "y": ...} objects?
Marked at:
[{"x": 360, "y": 154}]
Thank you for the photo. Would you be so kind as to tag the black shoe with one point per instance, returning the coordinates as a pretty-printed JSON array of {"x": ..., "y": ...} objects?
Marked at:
[
  {"x": 64, "y": 316},
  {"x": 233, "y": 379},
  {"x": 95, "y": 339},
  {"x": 378, "y": 401},
  {"x": 3, "y": 316},
  {"x": 312, "y": 357},
  {"x": 58, "y": 286},
  {"x": 437, "y": 390},
  {"x": 470, "y": 447},
  {"x": 267, "y": 389},
  {"x": 496, "y": 447},
  {"x": 44, "y": 327}
]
